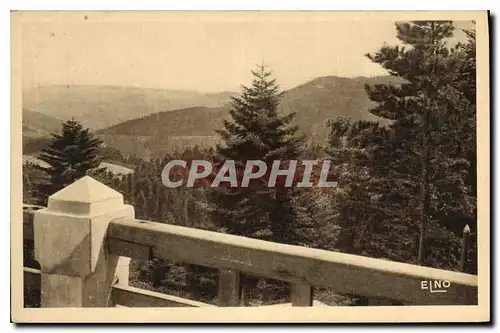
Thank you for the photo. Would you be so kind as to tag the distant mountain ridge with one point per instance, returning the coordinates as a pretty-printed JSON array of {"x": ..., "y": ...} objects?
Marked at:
[
  {"x": 318, "y": 100},
  {"x": 36, "y": 124},
  {"x": 99, "y": 107},
  {"x": 314, "y": 102},
  {"x": 153, "y": 135}
]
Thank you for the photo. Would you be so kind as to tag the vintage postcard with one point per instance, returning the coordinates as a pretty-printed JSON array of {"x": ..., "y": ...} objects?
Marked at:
[{"x": 251, "y": 167}]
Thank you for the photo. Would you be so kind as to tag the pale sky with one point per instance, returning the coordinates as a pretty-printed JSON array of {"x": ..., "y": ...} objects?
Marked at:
[{"x": 198, "y": 55}]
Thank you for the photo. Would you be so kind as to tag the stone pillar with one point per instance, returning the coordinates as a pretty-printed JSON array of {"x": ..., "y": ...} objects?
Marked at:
[{"x": 70, "y": 244}]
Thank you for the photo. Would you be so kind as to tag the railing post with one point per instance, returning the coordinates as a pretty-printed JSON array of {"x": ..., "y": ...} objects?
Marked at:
[
  {"x": 465, "y": 248},
  {"x": 229, "y": 288},
  {"x": 302, "y": 294},
  {"x": 123, "y": 270},
  {"x": 70, "y": 244}
]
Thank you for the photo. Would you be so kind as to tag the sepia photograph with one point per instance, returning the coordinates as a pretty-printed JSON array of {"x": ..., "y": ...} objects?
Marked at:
[{"x": 250, "y": 166}]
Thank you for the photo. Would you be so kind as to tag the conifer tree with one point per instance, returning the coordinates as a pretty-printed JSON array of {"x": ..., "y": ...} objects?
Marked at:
[
  {"x": 27, "y": 186},
  {"x": 129, "y": 188},
  {"x": 463, "y": 99},
  {"x": 466, "y": 84},
  {"x": 351, "y": 151},
  {"x": 257, "y": 131},
  {"x": 141, "y": 206},
  {"x": 419, "y": 167},
  {"x": 159, "y": 203},
  {"x": 70, "y": 155}
]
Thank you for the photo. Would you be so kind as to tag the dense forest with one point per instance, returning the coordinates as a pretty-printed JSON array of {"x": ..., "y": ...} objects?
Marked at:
[{"x": 407, "y": 182}]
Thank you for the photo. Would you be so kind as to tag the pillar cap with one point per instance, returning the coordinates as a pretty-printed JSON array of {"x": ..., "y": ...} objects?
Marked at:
[{"x": 85, "y": 196}]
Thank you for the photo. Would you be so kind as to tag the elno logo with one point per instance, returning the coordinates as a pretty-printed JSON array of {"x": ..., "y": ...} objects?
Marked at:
[{"x": 435, "y": 286}]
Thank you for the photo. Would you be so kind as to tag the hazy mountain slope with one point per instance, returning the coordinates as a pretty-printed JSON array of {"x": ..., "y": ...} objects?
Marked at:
[
  {"x": 37, "y": 129},
  {"x": 329, "y": 97},
  {"x": 314, "y": 103},
  {"x": 164, "y": 132},
  {"x": 36, "y": 124},
  {"x": 153, "y": 135},
  {"x": 103, "y": 106},
  {"x": 156, "y": 147},
  {"x": 196, "y": 121}
]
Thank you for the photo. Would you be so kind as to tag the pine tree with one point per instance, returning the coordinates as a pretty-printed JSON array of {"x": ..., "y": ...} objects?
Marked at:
[
  {"x": 27, "y": 186},
  {"x": 159, "y": 203},
  {"x": 463, "y": 98},
  {"x": 141, "y": 206},
  {"x": 257, "y": 131},
  {"x": 129, "y": 188},
  {"x": 71, "y": 154},
  {"x": 419, "y": 167},
  {"x": 351, "y": 151},
  {"x": 465, "y": 81}
]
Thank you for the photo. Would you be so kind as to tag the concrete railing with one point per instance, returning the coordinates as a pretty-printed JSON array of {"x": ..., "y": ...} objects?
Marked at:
[{"x": 85, "y": 237}]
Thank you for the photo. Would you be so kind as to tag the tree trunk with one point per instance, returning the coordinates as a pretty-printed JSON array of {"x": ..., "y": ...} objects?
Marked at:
[
  {"x": 424, "y": 173},
  {"x": 424, "y": 196}
]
